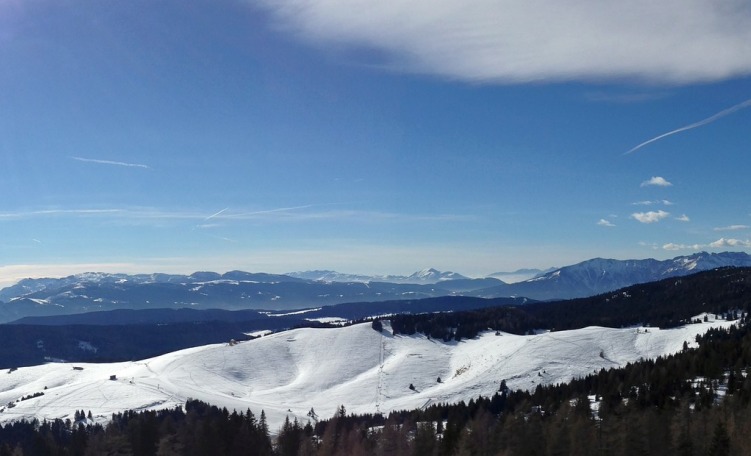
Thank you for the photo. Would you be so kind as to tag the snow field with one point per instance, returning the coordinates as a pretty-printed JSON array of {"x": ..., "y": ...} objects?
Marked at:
[{"x": 288, "y": 373}]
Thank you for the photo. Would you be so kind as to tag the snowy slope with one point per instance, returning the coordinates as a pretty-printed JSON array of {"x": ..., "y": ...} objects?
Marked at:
[{"x": 291, "y": 372}]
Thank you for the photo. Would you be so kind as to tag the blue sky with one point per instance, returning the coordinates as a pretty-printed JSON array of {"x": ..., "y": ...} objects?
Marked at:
[{"x": 369, "y": 137}]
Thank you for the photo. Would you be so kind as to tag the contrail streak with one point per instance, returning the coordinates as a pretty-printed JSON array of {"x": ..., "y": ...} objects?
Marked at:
[
  {"x": 280, "y": 209},
  {"x": 214, "y": 215},
  {"x": 701, "y": 123},
  {"x": 110, "y": 162}
]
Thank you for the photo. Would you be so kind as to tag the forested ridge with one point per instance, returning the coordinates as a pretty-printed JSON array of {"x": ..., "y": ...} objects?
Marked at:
[{"x": 665, "y": 304}]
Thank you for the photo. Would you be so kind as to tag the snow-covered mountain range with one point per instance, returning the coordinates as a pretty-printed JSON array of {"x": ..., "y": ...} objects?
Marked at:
[
  {"x": 425, "y": 276},
  {"x": 236, "y": 290},
  {"x": 601, "y": 275},
  {"x": 293, "y": 372}
]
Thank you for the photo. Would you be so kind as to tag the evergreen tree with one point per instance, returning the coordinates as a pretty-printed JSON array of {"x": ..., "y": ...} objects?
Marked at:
[
  {"x": 720, "y": 444},
  {"x": 425, "y": 440},
  {"x": 288, "y": 440},
  {"x": 264, "y": 442}
]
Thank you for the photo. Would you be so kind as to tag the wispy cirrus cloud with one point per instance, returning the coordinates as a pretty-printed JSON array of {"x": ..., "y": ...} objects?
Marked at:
[
  {"x": 673, "y": 246},
  {"x": 507, "y": 41},
  {"x": 222, "y": 238},
  {"x": 656, "y": 181},
  {"x": 278, "y": 210},
  {"x": 652, "y": 202},
  {"x": 111, "y": 162},
  {"x": 683, "y": 218},
  {"x": 310, "y": 212},
  {"x": 58, "y": 212},
  {"x": 650, "y": 217},
  {"x": 303, "y": 213},
  {"x": 732, "y": 228}
]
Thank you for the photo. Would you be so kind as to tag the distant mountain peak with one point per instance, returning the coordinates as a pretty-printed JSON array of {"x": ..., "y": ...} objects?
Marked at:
[
  {"x": 426, "y": 273},
  {"x": 434, "y": 275}
]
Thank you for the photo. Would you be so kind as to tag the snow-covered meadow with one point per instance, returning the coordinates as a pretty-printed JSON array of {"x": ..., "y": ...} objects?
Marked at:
[{"x": 290, "y": 373}]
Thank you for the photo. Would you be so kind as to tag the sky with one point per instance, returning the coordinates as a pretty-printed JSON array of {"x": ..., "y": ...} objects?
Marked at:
[{"x": 370, "y": 137}]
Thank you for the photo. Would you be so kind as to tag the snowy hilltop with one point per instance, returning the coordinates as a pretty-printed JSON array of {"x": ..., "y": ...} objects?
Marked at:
[{"x": 367, "y": 371}]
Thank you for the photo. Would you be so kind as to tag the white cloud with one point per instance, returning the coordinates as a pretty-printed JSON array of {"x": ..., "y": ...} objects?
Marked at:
[
  {"x": 650, "y": 217},
  {"x": 722, "y": 242},
  {"x": 683, "y": 218},
  {"x": 513, "y": 41},
  {"x": 718, "y": 244},
  {"x": 604, "y": 222},
  {"x": 657, "y": 181},
  {"x": 732, "y": 228}
]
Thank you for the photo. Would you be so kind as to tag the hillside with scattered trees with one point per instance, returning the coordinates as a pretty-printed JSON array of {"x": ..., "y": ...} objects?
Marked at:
[{"x": 692, "y": 403}]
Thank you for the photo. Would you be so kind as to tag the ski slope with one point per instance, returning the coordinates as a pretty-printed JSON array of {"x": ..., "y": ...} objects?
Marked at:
[{"x": 288, "y": 373}]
